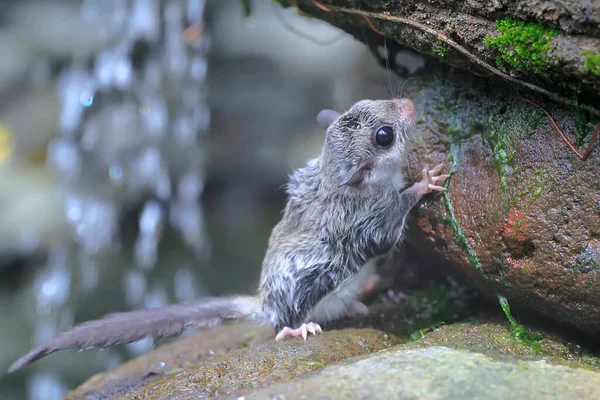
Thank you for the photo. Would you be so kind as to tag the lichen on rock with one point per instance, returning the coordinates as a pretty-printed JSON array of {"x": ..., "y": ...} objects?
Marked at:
[
  {"x": 257, "y": 364},
  {"x": 592, "y": 61},
  {"x": 553, "y": 51},
  {"x": 263, "y": 366}
]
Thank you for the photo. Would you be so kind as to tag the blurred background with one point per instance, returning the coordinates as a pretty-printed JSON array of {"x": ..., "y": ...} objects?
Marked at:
[{"x": 143, "y": 149}]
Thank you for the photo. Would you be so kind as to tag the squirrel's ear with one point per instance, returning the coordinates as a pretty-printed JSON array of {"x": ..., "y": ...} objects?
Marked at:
[{"x": 327, "y": 117}]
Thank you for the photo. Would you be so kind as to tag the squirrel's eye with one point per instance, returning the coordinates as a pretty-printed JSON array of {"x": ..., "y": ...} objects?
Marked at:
[{"x": 384, "y": 136}]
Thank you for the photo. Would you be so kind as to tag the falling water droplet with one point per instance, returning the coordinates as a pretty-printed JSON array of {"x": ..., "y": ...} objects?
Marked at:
[
  {"x": 116, "y": 173},
  {"x": 117, "y": 137},
  {"x": 64, "y": 156},
  {"x": 46, "y": 385},
  {"x": 151, "y": 218},
  {"x": 184, "y": 285},
  {"x": 134, "y": 284}
]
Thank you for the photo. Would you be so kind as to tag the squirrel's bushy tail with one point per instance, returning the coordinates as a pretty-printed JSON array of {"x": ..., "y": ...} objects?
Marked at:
[{"x": 127, "y": 327}]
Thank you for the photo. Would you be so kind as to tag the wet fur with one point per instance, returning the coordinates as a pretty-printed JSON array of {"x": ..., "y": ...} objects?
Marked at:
[
  {"x": 127, "y": 327},
  {"x": 329, "y": 230}
]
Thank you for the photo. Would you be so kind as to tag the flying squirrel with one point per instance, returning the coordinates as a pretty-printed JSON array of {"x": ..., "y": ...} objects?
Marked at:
[{"x": 345, "y": 215}]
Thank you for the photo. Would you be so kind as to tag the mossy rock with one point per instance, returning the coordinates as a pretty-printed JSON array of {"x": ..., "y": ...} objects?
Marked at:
[
  {"x": 221, "y": 361},
  {"x": 519, "y": 216},
  {"x": 523, "y": 46},
  {"x": 440, "y": 372},
  {"x": 235, "y": 356},
  {"x": 553, "y": 48},
  {"x": 353, "y": 360}
]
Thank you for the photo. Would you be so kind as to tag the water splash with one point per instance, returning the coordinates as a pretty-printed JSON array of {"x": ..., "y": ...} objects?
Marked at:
[
  {"x": 46, "y": 386},
  {"x": 130, "y": 121}
]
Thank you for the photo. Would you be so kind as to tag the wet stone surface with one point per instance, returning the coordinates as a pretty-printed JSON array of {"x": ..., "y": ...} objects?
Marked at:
[
  {"x": 520, "y": 217},
  {"x": 553, "y": 47},
  {"x": 439, "y": 373},
  {"x": 462, "y": 359},
  {"x": 189, "y": 370}
]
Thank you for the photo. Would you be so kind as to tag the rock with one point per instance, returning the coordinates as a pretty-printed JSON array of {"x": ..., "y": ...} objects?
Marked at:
[
  {"x": 439, "y": 373},
  {"x": 519, "y": 218},
  {"x": 243, "y": 362},
  {"x": 255, "y": 360},
  {"x": 556, "y": 48},
  {"x": 229, "y": 356},
  {"x": 493, "y": 337},
  {"x": 462, "y": 360},
  {"x": 168, "y": 358}
]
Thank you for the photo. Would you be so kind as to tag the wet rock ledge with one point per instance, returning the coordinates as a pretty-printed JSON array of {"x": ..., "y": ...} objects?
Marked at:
[
  {"x": 521, "y": 218},
  {"x": 464, "y": 360},
  {"x": 553, "y": 46},
  {"x": 229, "y": 359}
]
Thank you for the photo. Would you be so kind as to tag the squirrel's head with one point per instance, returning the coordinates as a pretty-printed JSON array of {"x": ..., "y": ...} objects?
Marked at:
[{"x": 365, "y": 146}]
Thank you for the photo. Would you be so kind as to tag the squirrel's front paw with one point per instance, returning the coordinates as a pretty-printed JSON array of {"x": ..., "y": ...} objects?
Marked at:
[{"x": 430, "y": 179}]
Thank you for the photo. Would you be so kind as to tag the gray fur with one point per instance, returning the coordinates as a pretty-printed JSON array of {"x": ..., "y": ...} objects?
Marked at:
[
  {"x": 338, "y": 301},
  {"x": 330, "y": 230},
  {"x": 327, "y": 117},
  {"x": 345, "y": 208},
  {"x": 127, "y": 327}
]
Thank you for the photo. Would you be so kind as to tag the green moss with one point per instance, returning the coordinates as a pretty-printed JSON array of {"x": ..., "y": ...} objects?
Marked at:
[
  {"x": 386, "y": 5},
  {"x": 584, "y": 127},
  {"x": 536, "y": 120},
  {"x": 420, "y": 333},
  {"x": 503, "y": 154},
  {"x": 442, "y": 50},
  {"x": 389, "y": 29},
  {"x": 313, "y": 363},
  {"x": 456, "y": 126},
  {"x": 436, "y": 305},
  {"x": 592, "y": 62},
  {"x": 541, "y": 179},
  {"x": 518, "y": 331},
  {"x": 494, "y": 339},
  {"x": 459, "y": 234},
  {"x": 246, "y": 8},
  {"x": 590, "y": 360},
  {"x": 522, "y": 45},
  {"x": 533, "y": 188}
]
